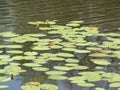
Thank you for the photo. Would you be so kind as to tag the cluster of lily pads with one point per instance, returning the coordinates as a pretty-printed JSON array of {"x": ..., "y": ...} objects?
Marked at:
[{"x": 61, "y": 44}]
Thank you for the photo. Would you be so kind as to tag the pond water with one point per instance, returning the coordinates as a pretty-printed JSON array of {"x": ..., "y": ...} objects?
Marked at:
[{"x": 15, "y": 15}]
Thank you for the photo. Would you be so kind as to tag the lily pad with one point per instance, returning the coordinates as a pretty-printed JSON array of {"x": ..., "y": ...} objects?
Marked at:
[
  {"x": 3, "y": 86},
  {"x": 63, "y": 68},
  {"x": 30, "y": 53},
  {"x": 31, "y": 64},
  {"x": 101, "y": 62},
  {"x": 40, "y": 68},
  {"x": 49, "y": 87}
]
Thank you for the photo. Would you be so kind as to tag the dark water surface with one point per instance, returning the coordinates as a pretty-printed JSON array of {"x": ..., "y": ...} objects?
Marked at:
[{"x": 14, "y": 15}]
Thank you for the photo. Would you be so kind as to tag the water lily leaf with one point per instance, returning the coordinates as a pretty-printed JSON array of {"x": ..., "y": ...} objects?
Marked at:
[
  {"x": 29, "y": 57},
  {"x": 82, "y": 51},
  {"x": 40, "y": 68},
  {"x": 30, "y": 87},
  {"x": 115, "y": 84},
  {"x": 41, "y": 48},
  {"x": 30, "y": 53},
  {"x": 13, "y": 46},
  {"x": 63, "y": 68},
  {"x": 65, "y": 55},
  {"x": 94, "y": 48},
  {"x": 73, "y": 24},
  {"x": 15, "y": 51},
  {"x": 8, "y": 34},
  {"x": 3, "y": 86},
  {"x": 56, "y": 59},
  {"x": 45, "y": 28},
  {"x": 18, "y": 57},
  {"x": 68, "y": 49},
  {"x": 70, "y": 60},
  {"x": 86, "y": 84},
  {"x": 98, "y": 88},
  {"x": 101, "y": 62},
  {"x": 49, "y": 87},
  {"x": 31, "y": 64},
  {"x": 55, "y": 72},
  {"x": 4, "y": 79},
  {"x": 57, "y": 77},
  {"x": 4, "y": 56},
  {"x": 79, "y": 67},
  {"x": 71, "y": 64},
  {"x": 12, "y": 68},
  {"x": 76, "y": 22},
  {"x": 98, "y": 55}
]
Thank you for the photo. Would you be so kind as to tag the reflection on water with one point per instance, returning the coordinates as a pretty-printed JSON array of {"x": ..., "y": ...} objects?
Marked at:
[{"x": 15, "y": 14}]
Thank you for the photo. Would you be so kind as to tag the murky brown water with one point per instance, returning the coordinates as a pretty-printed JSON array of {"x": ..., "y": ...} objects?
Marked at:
[{"x": 14, "y": 15}]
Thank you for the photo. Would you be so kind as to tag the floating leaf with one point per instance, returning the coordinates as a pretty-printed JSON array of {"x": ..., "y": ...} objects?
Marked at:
[
  {"x": 31, "y": 64},
  {"x": 30, "y": 53},
  {"x": 40, "y": 68},
  {"x": 15, "y": 51},
  {"x": 3, "y": 86},
  {"x": 98, "y": 88},
  {"x": 115, "y": 84},
  {"x": 63, "y": 68},
  {"x": 101, "y": 62},
  {"x": 49, "y": 87}
]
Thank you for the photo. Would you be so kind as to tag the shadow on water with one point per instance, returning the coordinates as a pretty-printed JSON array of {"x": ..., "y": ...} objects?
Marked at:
[{"x": 14, "y": 15}]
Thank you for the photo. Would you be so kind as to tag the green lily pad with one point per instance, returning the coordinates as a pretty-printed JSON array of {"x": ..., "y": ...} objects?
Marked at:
[
  {"x": 49, "y": 87},
  {"x": 15, "y": 51},
  {"x": 30, "y": 53},
  {"x": 115, "y": 84},
  {"x": 40, "y": 68},
  {"x": 3, "y": 86},
  {"x": 65, "y": 55},
  {"x": 8, "y": 34},
  {"x": 101, "y": 62},
  {"x": 4, "y": 79},
  {"x": 82, "y": 51},
  {"x": 70, "y": 60},
  {"x": 86, "y": 84},
  {"x": 63, "y": 68},
  {"x": 98, "y": 88},
  {"x": 31, "y": 64},
  {"x": 4, "y": 56},
  {"x": 30, "y": 87}
]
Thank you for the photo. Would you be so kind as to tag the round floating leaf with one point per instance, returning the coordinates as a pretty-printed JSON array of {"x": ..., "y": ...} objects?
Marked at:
[
  {"x": 18, "y": 57},
  {"x": 82, "y": 51},
  {"x": 57, "y": 77},
  {"x": 3, "y": 86},
  {"x": 15, "y": 51},
  {"x": 98, "y": 55},
  {"x": 79, "y": 67},
  {"x": 40, "y": 68},
  {"x": 31, "y": 64},
  {"x": 94, "y": 48},
  {"x": 15, "y": 64},
  {"x": 4, "y": 56},
  {"x": 76, "y": 21},
  {"x": 30, "y": 87},
  {"x": 56, "y": 59},
  {"x": 65, "y": 55},
  {"x": 100, "y": 62},
  {"x": 64, "y": 68},
  {"x": 70, "y": 60},
  {"x": 4, "y": 79},
  {"x": 29, "y": 57},
  {"x": 30, "y": 53},
  {"x": 12, "y": 68},
  {"x": 86, "y": 84},
  {"x": 55, "y": 72},
  {"x": 8, "y": 34},
  {"x": 71, "y": 64},
  {"x": 115, "y": 84},
  {"x": 49, "y": 87},
  {"x": 98, "y": 88},
  {"x": 68, "y": 49},
  {"x": 41, "y": 48},
  {"x": 73, "y": 24},
  {"x": 13, "y": 46}
]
